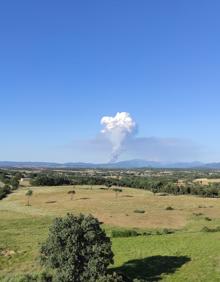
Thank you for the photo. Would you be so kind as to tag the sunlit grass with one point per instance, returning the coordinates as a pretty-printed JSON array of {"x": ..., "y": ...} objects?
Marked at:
[{"x": 186, "y": 255}]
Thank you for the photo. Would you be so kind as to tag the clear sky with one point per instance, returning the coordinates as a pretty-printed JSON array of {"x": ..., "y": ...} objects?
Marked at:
[{"x": 65, "y": 64}]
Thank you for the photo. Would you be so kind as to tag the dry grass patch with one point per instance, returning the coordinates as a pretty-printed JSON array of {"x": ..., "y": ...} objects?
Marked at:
[{"x": 114, "y": 211}]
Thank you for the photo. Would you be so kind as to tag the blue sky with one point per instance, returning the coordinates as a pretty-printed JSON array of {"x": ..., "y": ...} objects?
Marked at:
[{"x": 65, "y": 64}]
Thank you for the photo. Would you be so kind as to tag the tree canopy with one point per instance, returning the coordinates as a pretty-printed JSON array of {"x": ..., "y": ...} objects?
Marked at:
[{"x": 77, "y": 248}]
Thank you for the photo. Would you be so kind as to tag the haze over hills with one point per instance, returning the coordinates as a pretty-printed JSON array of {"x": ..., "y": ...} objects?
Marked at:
[{"x": 136, "y": 163}]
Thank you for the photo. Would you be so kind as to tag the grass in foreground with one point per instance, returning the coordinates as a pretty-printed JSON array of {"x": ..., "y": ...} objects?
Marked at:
[{"x": 187, "y": 255}]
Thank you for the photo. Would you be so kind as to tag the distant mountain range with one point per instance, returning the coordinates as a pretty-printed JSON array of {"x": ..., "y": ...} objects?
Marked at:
[{"x": 117, "y": 165}]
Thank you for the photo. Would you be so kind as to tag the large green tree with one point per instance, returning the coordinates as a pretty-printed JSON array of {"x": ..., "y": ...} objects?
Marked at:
[{"x": 77, "y": 248}]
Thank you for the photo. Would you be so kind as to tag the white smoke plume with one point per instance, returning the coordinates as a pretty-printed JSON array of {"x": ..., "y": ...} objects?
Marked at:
[{"x": 117, "y": 129}]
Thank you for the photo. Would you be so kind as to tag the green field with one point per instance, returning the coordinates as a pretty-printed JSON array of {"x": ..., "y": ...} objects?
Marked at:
[{"x": 189, "y": 254}]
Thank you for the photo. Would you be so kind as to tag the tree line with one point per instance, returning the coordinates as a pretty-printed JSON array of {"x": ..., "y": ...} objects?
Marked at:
[
  {"x": 8, "y": 183},
  {"x": 155, "y": 185}
]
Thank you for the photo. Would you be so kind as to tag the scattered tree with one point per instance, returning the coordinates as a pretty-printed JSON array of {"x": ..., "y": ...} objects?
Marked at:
[
  {"x": 29, "y": 193},
  {"x": 108, "y": 185},
  {"x": 117, "y": 190},
  {"x": 72, "y": 193}
]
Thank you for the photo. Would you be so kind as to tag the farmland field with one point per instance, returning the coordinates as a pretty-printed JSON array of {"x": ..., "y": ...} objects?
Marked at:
[{"x": 188, "y": 254}]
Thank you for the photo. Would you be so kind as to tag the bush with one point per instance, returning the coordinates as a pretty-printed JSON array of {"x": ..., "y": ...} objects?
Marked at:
[
  {"x": 207, "y": 229},
  {"x": 197, "y": 214},
  {"x": 164, "y": 231},
  {"x": 124, "y": 233},
  {"x": 208, "y": 218},
  {"x": 147, "y": 233},
  {"x": 169, "y": 208},
  {"x": 4, "y": 191},
  {"x": 139, "y": 211},
  {"x": 77, "y": 248},
  {"x": 167, "y": 231}
]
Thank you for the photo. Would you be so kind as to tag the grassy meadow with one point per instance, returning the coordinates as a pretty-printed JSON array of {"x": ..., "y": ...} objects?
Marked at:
[{"x": 188, "y": 254}]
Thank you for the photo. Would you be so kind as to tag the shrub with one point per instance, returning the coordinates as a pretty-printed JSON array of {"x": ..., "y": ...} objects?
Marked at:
[
  {"x": 164, "y": 231},
  {"x": 77, "y": 248},
  {"x": 139, "y": 211},
  {"x": 197, "y": 214},
  {"x": 4, "y": 191},
  {"x": 124, "y": 233},
  {"x": 167, "y": 231},
  {"x": 147, "y": 233},
  {"x": 103, "y": 188},
  {"x": 207, "y": 229},
  {"x": 169, "y": 208},
  {"x": 208, "y": 218}
]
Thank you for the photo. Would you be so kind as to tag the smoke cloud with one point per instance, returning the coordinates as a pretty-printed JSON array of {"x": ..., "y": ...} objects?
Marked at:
[{"x": 117, "y": 130}]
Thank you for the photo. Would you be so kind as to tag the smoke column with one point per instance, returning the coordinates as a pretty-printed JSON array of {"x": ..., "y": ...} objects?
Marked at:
[{"x": 117, "y": 129}]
